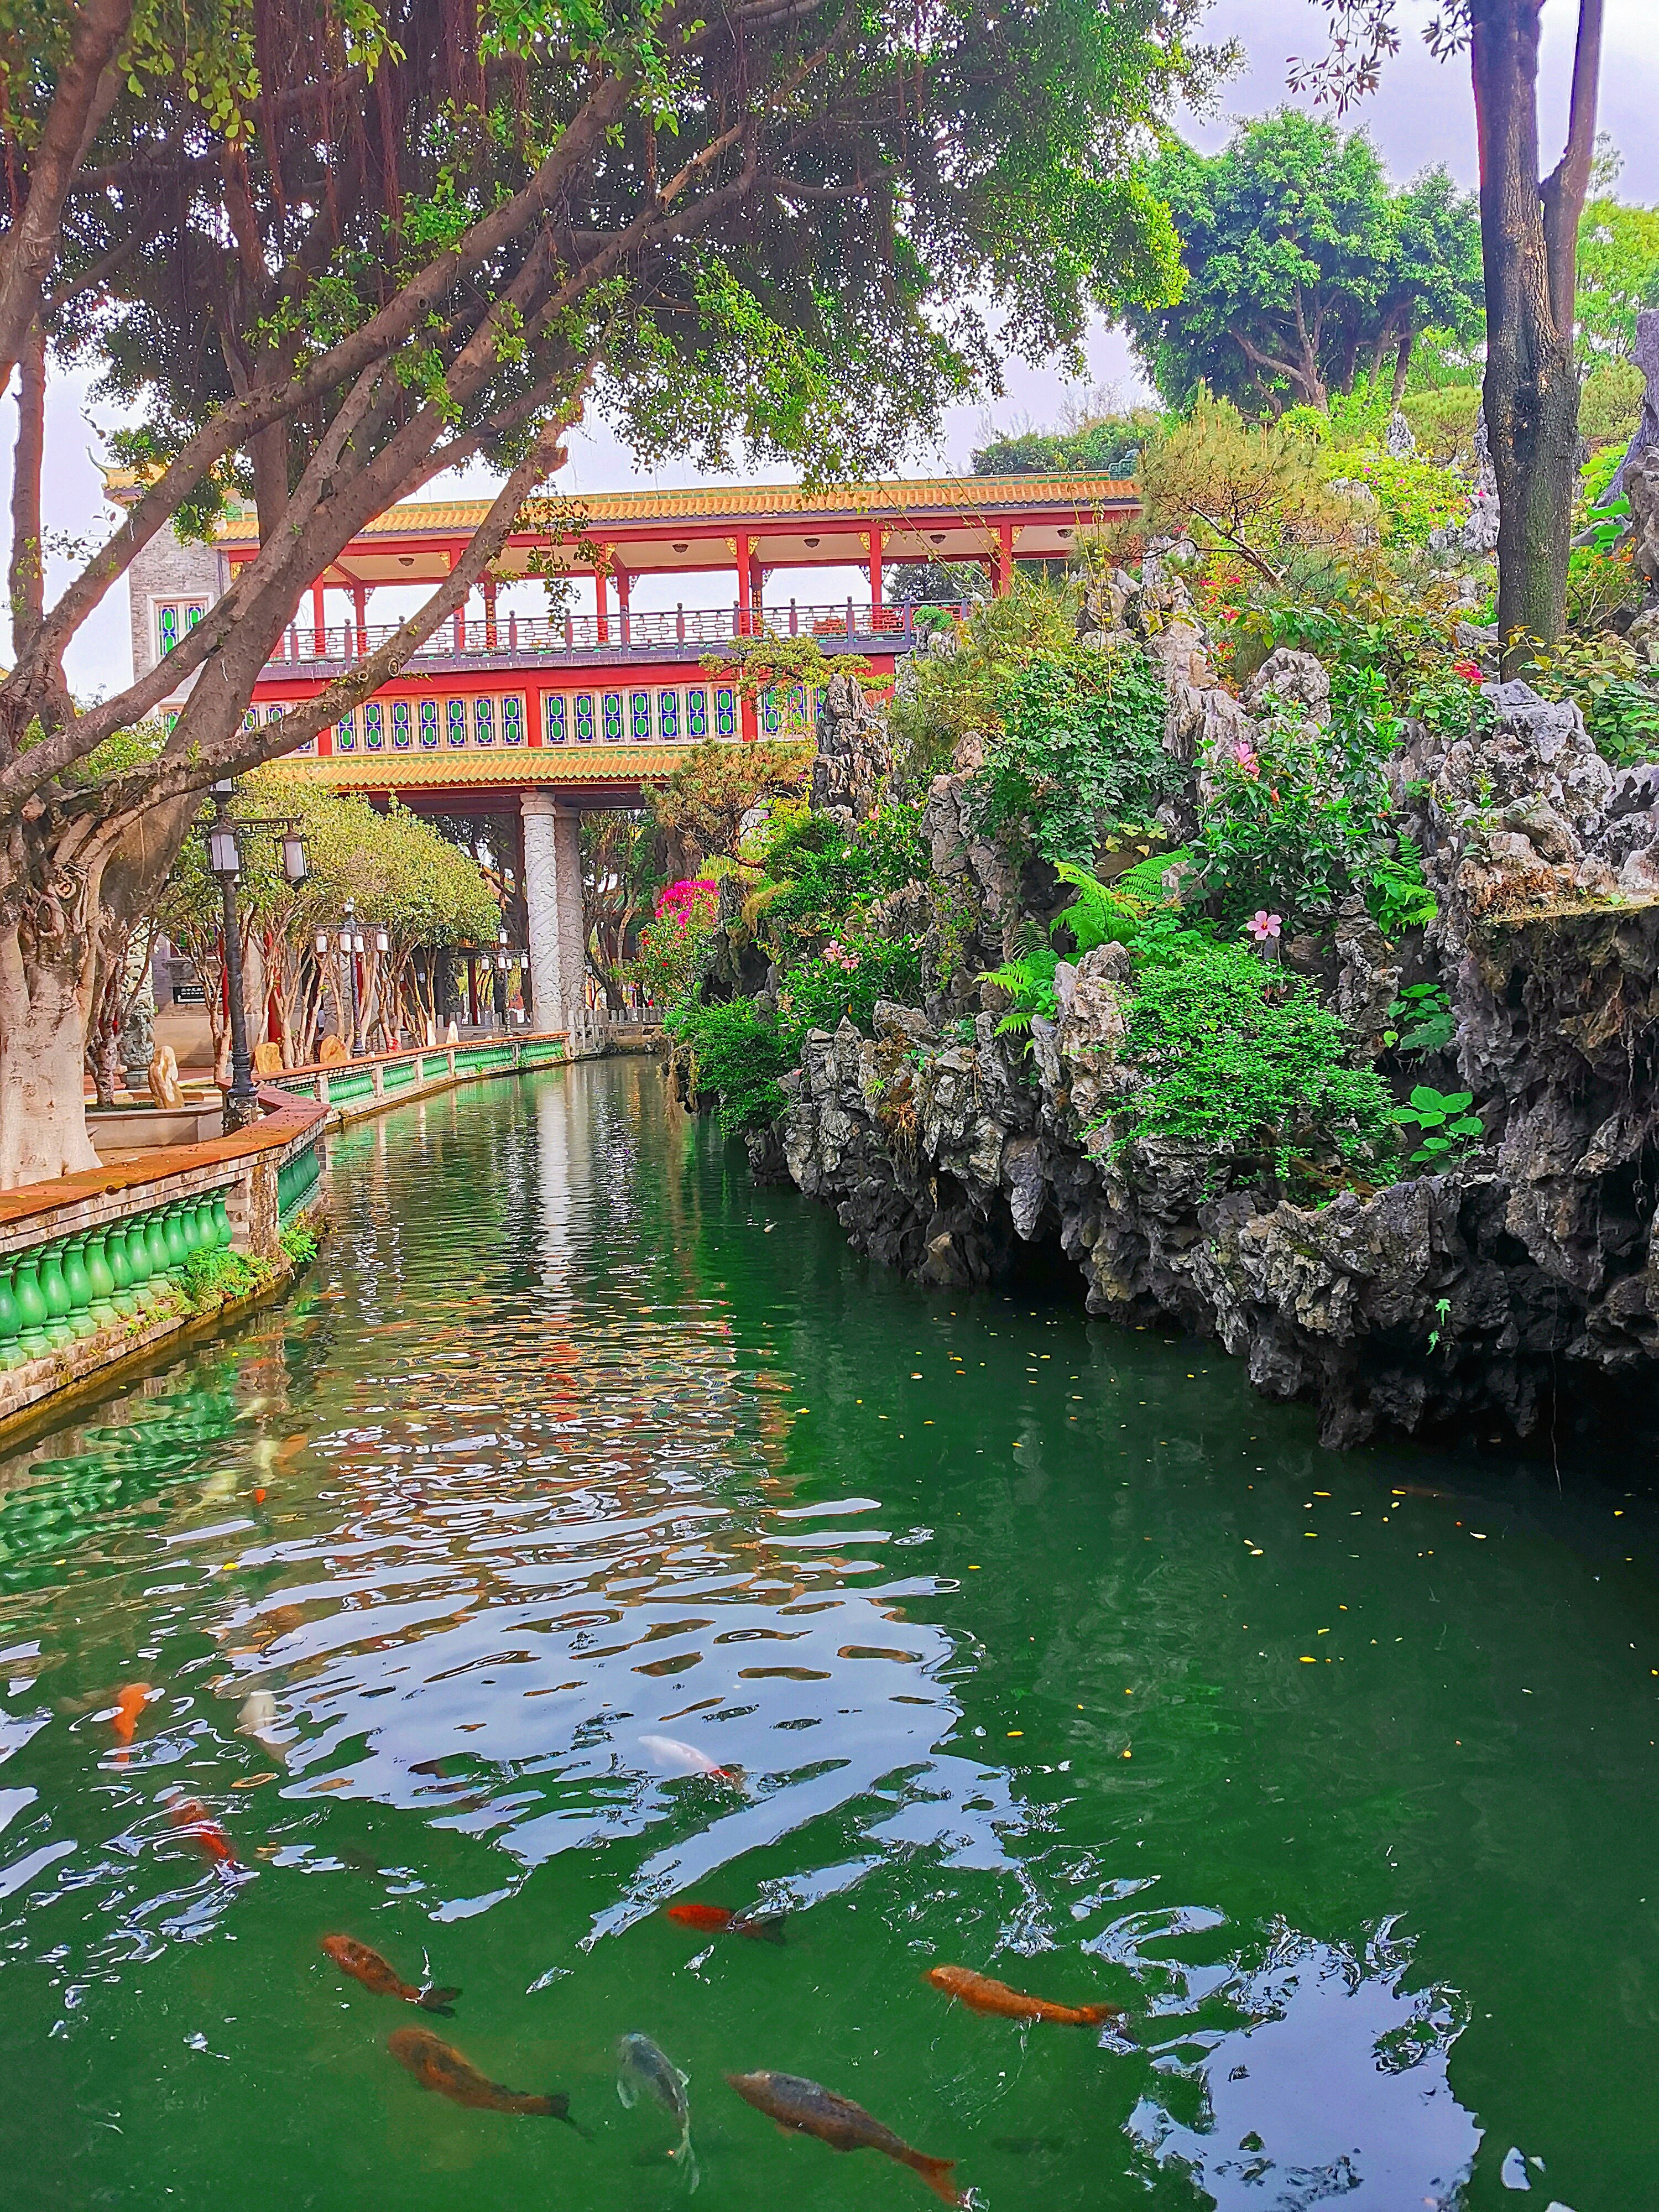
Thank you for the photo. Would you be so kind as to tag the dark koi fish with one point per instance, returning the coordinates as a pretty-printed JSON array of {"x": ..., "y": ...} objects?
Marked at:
[
  {"x": 439, "y": 2067},
  {"x": 714, "y": 1920},
  {"x": 980, "y": 1994},
  {"x": 192, "y": 1818},
  {"x": 369, "y": 1968},
  {"x": 802, "y": 2107}
]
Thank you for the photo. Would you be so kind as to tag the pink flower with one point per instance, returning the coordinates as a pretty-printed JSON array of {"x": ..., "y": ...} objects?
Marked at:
[
  {"x": 1242, "y": 753},
  {"x": 1263, "y": 926},
  {"x": 693, "y": 899},
  {"x": 1468, "y": 671}
]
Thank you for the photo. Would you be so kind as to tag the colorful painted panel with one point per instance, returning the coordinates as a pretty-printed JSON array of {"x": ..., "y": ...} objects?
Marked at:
[
  {"x": 373, "y": 727},
  {"x": 772, "y": 711},
  {"x": 797, "y": 721},
  {"x": 402, "y": 735},
  {"x": 638, "y": 716},
  {"x": 696, "y": 712},
  {"x": 455, "y": 717},
  {"x": 584, "y": 718},
  {"x": 166, "y": 628},
  {"x": 613, "y": 718},
  {"x": 668, "y": 716},
  {"x": 511, "y": 721},
  {"x": 345, "y": 731},
  {"x": 725, "y": 713},
  {"x": 556, "y": 724},
  {"x": 428, "y": 725},
  {"x": 484, "y": 719}
]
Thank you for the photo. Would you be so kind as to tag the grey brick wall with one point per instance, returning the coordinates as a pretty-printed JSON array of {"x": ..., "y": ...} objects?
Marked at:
[{"x": 167, "y": 570}]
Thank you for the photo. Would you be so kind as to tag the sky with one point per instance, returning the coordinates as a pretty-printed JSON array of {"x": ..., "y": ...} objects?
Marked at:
[{"x": 1421, "y": 115}]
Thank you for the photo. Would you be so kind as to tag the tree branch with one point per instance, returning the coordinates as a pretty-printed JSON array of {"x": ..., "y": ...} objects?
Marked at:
[{"x": 83, "y": 96}]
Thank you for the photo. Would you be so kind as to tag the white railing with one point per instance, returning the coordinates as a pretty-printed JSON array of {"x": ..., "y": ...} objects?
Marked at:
[{"x": 541, "y": 637}]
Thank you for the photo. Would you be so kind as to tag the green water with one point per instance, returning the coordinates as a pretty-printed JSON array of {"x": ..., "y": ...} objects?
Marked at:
[{"x": 1030, "y": 1645}]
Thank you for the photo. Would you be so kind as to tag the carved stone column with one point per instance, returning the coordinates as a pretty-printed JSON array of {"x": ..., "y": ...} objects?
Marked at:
[{"x": 553, "y": 903}]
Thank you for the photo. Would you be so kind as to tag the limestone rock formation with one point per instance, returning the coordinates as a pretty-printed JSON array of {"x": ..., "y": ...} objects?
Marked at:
[{"x": 853, "y": 758}]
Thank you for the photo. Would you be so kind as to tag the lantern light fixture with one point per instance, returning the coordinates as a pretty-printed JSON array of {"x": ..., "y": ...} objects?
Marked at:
[
  {"x": 223, "y": 858},
  {"x": 295, "y": 865}
]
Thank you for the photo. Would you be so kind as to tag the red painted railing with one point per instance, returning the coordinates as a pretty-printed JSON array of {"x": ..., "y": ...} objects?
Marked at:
[{"x": 541, "y": 637}]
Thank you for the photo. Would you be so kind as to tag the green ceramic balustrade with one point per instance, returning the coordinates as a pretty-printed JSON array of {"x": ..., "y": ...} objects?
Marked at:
[{"x": 101, "y": 1280}]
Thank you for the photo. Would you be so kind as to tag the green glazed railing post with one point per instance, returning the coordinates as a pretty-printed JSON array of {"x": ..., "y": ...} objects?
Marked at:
[
  {"x": 172, "y": 1234},
  {"x": 78, "y": 1284},
  {"x": 32, "y": 1306},
  {"x": 188, "y": 1228},
  {"x": 11, "y": 1320},
  {"x": 156, "y": 1243},
  {"x": 120, "y": 1275},
  {"x": 205, "y": 1229},
  {"x": 101, "y": 1278},
  {"x": 60, "y": 1329},
  {"x": 222, "y": 1228},
  {"x": 138, "y": 1264}
]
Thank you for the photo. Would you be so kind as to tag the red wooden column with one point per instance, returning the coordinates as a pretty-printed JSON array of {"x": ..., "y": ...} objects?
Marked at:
[
  {"x": 743, "y": 547},
  {"x": 600, "y": 608},
  {"x": 536, "y": 704},
  {"x": 624, "y": 584},
  {"x": 1003, "y": 569},
  {"x": 319, "y": 622},
  {"x": 360, "y": 609},
  {"x": 876, "y": 542},
  {"x": 491, "y": 634}
]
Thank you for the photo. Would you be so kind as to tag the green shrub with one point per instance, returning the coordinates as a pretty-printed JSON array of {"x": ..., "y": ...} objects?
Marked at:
[
  {"x": 822, "y": 870},
  {"x": 1081, "y": 746},
  {"x": 1442, "y": 1121},
  {"x": 301, "y": 1244},
  {"x": 738, "y": 1055},
  {"x": 218, "y": 1277},
  {"x": 1243, "y": 1064},
  {"x": 844, "y": 980}
]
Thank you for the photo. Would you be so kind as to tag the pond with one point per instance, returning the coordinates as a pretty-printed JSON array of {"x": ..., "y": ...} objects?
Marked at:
[{"x": 589, "y": 1534}]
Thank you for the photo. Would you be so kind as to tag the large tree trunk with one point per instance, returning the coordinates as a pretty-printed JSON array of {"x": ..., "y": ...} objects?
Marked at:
[
  {"x": 43, "y": 987},
  {"x": 1528, "y": 233}
]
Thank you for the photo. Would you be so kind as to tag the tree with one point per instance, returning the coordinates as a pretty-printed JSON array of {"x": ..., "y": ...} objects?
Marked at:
[
  {"x": 331, "y": 248},
  {"x": 1529, "y": 226},
  {"x": 401, "y": 875},
  {"x": 1302, "y": 265},
  {"x": 1618, "y": 275},
  {"x": 1105, "y": 446},
  {"x": 1253, "y": 488},
  {"x": 699, "y": 808},
  {"x": 620, "y": 871}
]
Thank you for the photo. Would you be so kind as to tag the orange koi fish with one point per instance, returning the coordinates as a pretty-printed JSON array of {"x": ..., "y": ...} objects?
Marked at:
[
  {"x": 192, "y": 1818},
  {"x": 980, "y": 1994},
  {"x": 715, "y": 1920},
  {"x": 131, "y": 1701},
  {"x": 438, "y": 2066},
  {"x": 369, "y": 1968},
  {"x": 804, "y": 2107}
]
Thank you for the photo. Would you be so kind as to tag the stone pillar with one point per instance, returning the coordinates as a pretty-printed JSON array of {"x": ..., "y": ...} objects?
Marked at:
[{"x": 553, "y": 902}]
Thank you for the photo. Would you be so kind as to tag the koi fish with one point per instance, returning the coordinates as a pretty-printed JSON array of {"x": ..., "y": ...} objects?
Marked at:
[
  {"x": 683, "y": 1757},
  {"x": 192, "y": 1818},
  {"x": 806, "y": 2108},
  {"x": 642, "y": 2066},
  {"x": 715, "y": 1920},
  {"x": 369, "y": 1968},
  {"x": 980, "y": 1994},
  {"x": 131, "y": 1702},
  {"x": 438, "y": 2066}
]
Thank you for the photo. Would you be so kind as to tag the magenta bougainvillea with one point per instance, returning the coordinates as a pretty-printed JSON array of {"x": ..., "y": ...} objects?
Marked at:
[{"x": 692, "y": 899}]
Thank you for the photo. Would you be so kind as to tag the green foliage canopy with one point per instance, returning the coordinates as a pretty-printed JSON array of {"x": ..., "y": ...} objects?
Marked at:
[{"x": 1302, "y": 264}]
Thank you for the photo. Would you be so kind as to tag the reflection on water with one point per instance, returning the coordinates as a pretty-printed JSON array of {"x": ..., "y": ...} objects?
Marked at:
[{"x": 569, "y": 1545}]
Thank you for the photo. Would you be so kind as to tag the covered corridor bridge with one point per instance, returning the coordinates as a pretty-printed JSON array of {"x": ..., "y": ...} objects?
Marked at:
[{"x": 544, "y": 716}]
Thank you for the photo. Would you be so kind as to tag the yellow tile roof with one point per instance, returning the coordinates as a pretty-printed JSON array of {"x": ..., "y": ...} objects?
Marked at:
[
  {"x": 411, "y": 771},
  {"x": 895, "y": 499}
]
